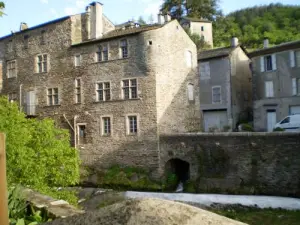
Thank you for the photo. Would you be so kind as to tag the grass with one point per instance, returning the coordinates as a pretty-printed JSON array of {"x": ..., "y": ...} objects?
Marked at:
[{"x": 254, "y": 216}]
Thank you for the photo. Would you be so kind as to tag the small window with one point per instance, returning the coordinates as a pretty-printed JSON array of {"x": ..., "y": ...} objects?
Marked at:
[
  {"x": 202, "y": 28},
  {"x": 204, "y": 70},
  {"x": 52, "y": 94},
  {"x": 124, "y": 48},
  {"x": 297, "y": 57},
  {"x": 81, "y": 134},
  {"x": 10, "y": 46},
  {"x": 150, "y": 42},
  {"x": 191, "y": 92},
  {"x": 188, "y": 58},
  {"x": 77, "y": 60},
  {"x": 216, "y": 95},
  {"x": 268, "y": 63},
  {"x": 12, "y": 97},
  {"x": 26, "y": 40},
  {"x": 296, "y": 86},
  {"x": 129, "y": 89},
  {"x": 286, "y": 120},
  {"x": 42, "y": 63},
  {"x": 106, "y": 126},
  {"x": 103, "y": 91},
  {"x": 11, "y": 69},
  {"x": 269, "y": 91},
  {"x": 77, "y": 91},
  {"x": 102, "y": 53},
  {"x": 132, "y": 125},
  {"x": 43, "y": 37}
]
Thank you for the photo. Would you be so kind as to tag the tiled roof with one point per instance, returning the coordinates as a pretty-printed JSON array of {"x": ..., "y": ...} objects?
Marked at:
[
  {"x": 122, "y": 32},
  {"x": 215, "y": 53},
  {"x": 277, "y": 48}
]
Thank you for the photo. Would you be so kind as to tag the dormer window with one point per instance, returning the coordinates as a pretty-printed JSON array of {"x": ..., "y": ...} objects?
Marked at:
[
  {"x": 124, "y": 48},
  {"x": 102, "y": 53}
]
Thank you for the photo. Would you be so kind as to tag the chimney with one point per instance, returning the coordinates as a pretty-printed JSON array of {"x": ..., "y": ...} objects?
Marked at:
[
  {"x": 96, "y": 20},
  {"x": 167, "y": 17},
  {"x": 88, "y": 21},
  {"x": 160, "y": 18},
  {"x": 23, "y": 26},
  {"x": 234, "y": 42},
  {"x": 266, "y": 43}
]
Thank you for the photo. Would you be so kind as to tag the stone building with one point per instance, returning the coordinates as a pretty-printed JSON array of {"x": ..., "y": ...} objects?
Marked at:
[
  {"x": 225, "y": 87},
  {"x": 276, "y": 83},
  {"x": 117, "y": 89}
]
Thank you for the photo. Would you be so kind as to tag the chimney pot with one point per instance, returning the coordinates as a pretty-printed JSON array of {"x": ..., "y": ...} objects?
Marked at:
[
  {"x": 266, "y": 43},
  {"x": 160, "y": 18},
  {"x": 234, "y": 42},
  {"x": 23, "y": 26},
  {"x": 167, "y": 17}
]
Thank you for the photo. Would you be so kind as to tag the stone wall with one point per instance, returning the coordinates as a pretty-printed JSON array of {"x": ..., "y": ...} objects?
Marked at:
[{"x": 239, "y": 163}]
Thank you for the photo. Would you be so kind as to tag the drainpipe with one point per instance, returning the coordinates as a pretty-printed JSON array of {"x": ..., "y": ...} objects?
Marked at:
[
  {"x": 20, "y": 100},
  {"x": 75, "y": 129}
]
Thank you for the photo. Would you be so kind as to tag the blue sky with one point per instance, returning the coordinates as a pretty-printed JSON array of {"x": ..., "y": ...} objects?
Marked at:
[{"x": 35, "y": 12}]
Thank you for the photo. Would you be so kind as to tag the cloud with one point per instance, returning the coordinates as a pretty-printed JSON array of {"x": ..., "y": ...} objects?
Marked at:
[{"x": 44, "y": 1}]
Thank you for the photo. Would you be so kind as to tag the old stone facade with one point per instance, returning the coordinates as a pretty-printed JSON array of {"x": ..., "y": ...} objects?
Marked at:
[
  {"x": 225, "y": 87},
  {"x": 276, "y": 86},
  {"x": 116, "y": 90}
]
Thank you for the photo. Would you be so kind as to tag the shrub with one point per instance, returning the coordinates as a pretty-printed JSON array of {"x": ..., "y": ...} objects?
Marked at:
[
  {"x": 38, "y": 154},
  {"x": 278, "y": 129},
  {"x": 247, "y": 127}
]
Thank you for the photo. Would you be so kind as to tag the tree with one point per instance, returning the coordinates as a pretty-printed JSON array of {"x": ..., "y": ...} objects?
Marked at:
[
  {"x": 2, "y": 6},
  {"x": 38, "y": 153},
  {"x": 141, "y": 21},
  {"x": 207, "y": 9}
]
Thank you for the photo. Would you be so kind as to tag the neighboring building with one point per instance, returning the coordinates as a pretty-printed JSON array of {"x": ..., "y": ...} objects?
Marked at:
[
  {"x": 276, "y": 83},
  {"x": 225, "y": 87},
  {"x": 1, "y": 76},
  {"x": 202, "y": 27},
  {"x": 116, "y": 90}
]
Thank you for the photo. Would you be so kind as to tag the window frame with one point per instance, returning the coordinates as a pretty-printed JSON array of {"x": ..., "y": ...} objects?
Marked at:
[
  {"x": 124, "y": 49},
  {"x": 78, "y": 89},
  {"x": 75, "y": 60},
  {"x": 212, "y": 94},
  {"x": 128, "y": 125},
  {"x": 130, "y": 87},
  {"x": 78, "y": 125},
  {"x": 102, "y": 54},
  {"x": 104, "y": 91},
  {"x": 53, "y": 96},
  {"x": 267, "y": 94},
  {"x": 43, "y": 63},
  {"x": 9, "y": 69},
  {"x": 103, "y": 126}
]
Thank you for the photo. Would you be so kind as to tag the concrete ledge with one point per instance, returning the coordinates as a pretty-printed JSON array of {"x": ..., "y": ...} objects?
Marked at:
[
  {"x": 55, "y": 208},
  {"x": 232, "y": 134}
]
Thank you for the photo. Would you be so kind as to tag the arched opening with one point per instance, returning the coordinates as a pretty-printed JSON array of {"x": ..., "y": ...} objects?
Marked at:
[{"x": 180, "y": 168}]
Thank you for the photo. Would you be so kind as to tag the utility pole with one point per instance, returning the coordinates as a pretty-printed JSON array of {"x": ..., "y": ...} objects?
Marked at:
[{"x": 3, "y": 184}]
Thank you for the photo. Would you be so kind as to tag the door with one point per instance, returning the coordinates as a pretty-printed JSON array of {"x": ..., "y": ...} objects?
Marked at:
[
  {"x": 215, "y": 120},
  {"x": 271, "y": 120},
  {"x": 295, "y": 109}
]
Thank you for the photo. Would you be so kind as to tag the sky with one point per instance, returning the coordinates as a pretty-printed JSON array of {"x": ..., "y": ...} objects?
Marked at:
[{"x": 34, "y": 12}]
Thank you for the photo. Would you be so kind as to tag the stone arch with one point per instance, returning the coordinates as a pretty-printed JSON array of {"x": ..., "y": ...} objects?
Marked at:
[{"x": 179, "y": 167}]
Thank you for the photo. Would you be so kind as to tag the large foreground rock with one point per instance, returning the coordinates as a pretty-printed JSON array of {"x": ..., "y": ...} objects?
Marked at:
[{"x": 147, "y": 212}]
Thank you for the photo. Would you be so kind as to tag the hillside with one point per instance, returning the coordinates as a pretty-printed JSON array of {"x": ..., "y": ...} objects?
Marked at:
[{"x": 280, "y": 23}]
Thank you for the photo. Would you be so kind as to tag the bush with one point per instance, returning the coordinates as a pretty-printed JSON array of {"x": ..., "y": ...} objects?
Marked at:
[
  {"x": 38, "y": 154},
  {"x": 247, "y": 127},
  {"x": 278, "y": 129}
]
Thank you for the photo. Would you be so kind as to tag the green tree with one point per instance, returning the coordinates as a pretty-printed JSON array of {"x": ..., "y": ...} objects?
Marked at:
[
  {"x": 207, "y": 9},
  {"x": 2, "y": 6},
  {"x": 38, "y": 153},
  {"x": 141, "y": 21},
  {"x": 199, "y": 42}
]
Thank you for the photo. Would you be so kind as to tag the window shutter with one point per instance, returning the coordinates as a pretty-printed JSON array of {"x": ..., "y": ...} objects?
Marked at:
[
  {"x": 271, "y": 89},
  {"x": 191, "y": 92},
  {"x": 274, "y": 64},
  {"x": 262, "y": 64},
  {"x": 266, "y": 89},
  {"x": 294, "y": 85},
  {"x": 292, "y": 58}
]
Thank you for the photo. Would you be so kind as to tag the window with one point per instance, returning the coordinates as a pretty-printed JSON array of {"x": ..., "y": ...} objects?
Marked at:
[
  {"x": 43, "y": 37},
  {"x": 269, "y": 89},
  {"x": 102, "y": 53},
  {"x": 81, "y": 134},
  {"x": 216, "y": 95},
  {"x": 10, "y": 46},
  {"x": 26, "y": 40},
  {"x": 268, "y": 63},
  {"x": 129, "y": 88},
  {"x": 132, "y": 125},
  {"x": 77, "y": 91},
  {"x": 191, "y": 92},
  {"x": 204, "y": 70},
  {"x": 103, "y": 91},
  {"x": 11, "y": 69},
  {"x": 42, "y": 63},
  {"x": 77, "y": 60},
  {"x": 296, "y": 86},
  {"x": 52, "y": 96},
  {"x": 12, "y": 97},
  {"x": 124, "y": 48},
  {"x": 202, "y": 28},
  {"x": 188, "y": 58},
  {"x": 286, "y": 120},
  {"x": 106, "y": 126},
  {"x": 297, "y": 57}
]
